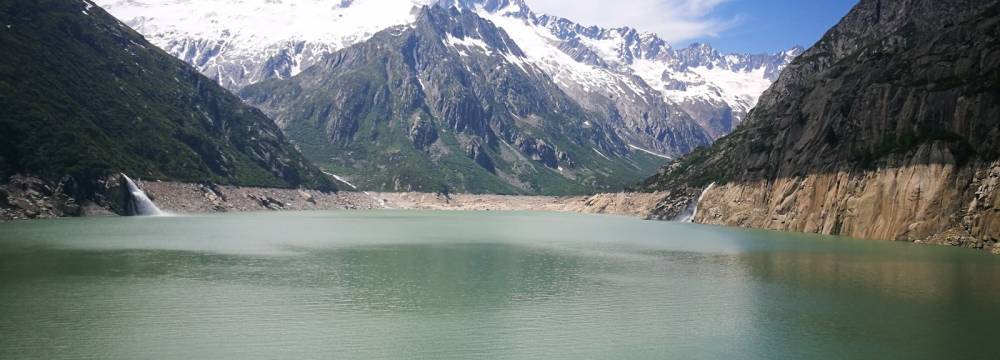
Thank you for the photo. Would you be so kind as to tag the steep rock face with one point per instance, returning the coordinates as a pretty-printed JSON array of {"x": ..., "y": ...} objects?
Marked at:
[
  {"x": 926, "y": 202},
  {"x": 449, "y": 104},
  {"x": 886, "y": 129},
  {"x": 84, "y": 96}
]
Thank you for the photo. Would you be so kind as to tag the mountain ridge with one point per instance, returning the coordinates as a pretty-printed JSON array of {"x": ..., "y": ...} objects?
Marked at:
[
  {"x": 239, "y": 44},
  {"x": 85, "y": 97}
]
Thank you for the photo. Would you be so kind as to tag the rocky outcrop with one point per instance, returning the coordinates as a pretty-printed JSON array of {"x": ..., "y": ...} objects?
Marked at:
[
  {"x": 33, "y": 197},
  {"x": 888, "y": 128},
  {"x": 29, "y": 197}
]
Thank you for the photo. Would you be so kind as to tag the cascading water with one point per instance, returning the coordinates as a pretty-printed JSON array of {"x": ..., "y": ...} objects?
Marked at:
[
  {"x": 136, "y": 201},
  {"x": 692, "y": 210}
]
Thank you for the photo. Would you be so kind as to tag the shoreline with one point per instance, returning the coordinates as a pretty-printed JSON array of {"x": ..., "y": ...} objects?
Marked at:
[
  {"x": 29, "y": 197},
  {"x": 193, "y": 198},
  {"x": 198, "y": 198}
]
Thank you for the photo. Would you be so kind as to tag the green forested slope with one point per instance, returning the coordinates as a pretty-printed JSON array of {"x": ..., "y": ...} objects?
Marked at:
[{"x": 81, "y": 94}]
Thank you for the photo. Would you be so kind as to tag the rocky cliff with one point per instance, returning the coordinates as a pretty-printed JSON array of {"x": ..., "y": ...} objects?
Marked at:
[
  {"x": 887, "y": 128},
  {"x": 85, "y": 97}
]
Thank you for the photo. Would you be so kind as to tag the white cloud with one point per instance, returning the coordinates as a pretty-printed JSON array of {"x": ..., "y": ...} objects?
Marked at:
[{"x": 674, "y": 20}]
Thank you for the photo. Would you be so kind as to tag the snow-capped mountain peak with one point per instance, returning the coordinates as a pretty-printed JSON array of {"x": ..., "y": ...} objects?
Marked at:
[
  {"x": 621, "y": 59},
  {"x": 265, "y": 21},
  {"x": 240, "y": 42}
]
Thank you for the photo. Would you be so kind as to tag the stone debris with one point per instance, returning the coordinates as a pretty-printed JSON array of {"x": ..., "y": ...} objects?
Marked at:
[{"x": 28, "y": 197}]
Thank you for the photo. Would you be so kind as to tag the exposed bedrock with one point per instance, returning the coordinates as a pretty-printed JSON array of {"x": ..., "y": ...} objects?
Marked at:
[
  {"x": 888, "y": 128},
  {"x": 933, "y": 203}
]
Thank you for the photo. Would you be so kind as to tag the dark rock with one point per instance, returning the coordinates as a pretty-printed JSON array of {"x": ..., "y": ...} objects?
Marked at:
[
  {"x": 267, "y": 201},
  {"x": 25, "y": 204},
  {"x": 476, "y": 152},
  {"x": 422, "y": 132},
  {"x": 218, "y": 191},
  {"x": 70, "y": 208}
]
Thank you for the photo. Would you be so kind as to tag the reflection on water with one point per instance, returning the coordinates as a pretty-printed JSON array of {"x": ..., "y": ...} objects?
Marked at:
[
  {"x": 880, "y": 274},
  {"x": 878, "y": 300},
  {"x": 460, "y": 285}
]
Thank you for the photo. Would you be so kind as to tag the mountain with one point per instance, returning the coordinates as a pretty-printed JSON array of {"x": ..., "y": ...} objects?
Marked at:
[
  {"x": 241, "y": 42},
  {"x": 887, "y": 128},
  {"x": 452, "y": 103},
  {"x": 644, "y": 93},
  {"x": 596, "y": 65},
  {"x": 86, "y": 96}
]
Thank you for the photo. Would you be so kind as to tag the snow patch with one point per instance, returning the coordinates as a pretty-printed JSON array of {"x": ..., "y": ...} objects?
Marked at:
[
  {"x": 600, "y": 153},
  {"x": 468, "y": 43},
  {"x": 650, "y": 152},
  {"x": 340, "y": 179},
  {"x": 263, "y": 22},
  {"x": 739, "y": 88},
  {"x": 541, "y": 48},
  {"x": 220, "y": 34}
]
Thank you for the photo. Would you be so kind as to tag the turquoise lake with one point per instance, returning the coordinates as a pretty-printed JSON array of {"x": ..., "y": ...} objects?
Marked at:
[{"x": 462, "y": 285}]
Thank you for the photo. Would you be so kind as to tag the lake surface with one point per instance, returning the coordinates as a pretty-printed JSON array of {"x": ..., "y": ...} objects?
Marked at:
[{"x": 449, "y": 285}]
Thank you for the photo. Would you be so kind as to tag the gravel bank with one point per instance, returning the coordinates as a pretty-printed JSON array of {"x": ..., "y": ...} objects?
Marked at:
[{"x": 199, "y": 198}]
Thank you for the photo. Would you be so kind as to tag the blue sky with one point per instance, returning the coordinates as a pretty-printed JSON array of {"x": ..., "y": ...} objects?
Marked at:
[
  {"x": 771, "y": 25},
  {"x": 729, "y": 25}
]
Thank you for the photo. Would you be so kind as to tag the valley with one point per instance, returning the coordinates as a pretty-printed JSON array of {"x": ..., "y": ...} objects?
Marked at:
[
  {"x": 489, "y": 105},
  {"x": 464, "y": 96},
  {"x": 465, "y": 179}
]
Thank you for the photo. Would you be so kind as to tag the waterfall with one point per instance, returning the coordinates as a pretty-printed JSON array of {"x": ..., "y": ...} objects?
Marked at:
[
  {"x": 692, "y": 210},
  {"x": 136, "y": 201}
]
